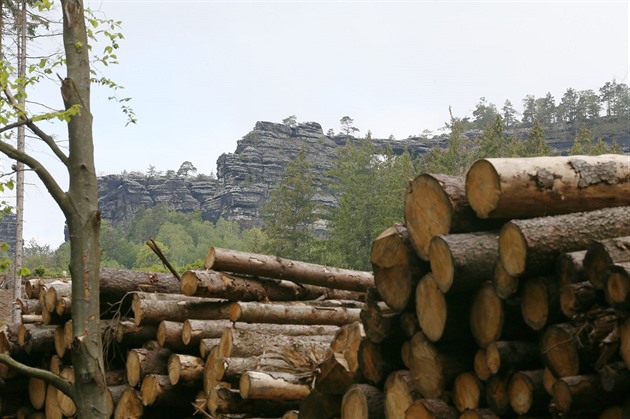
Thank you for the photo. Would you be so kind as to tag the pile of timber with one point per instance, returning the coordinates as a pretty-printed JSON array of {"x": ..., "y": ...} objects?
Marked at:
[
  {"x": 505, "y": 293},
  {"x": 242, "y": 337}
]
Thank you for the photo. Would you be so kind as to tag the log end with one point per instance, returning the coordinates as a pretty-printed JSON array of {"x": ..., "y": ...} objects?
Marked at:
[
  {"x": 186, "y": 332},
  {"x": 174, "y": 368},
  {"x": 149, "y": 389},
  {"x": 520, "y": 393},
  {"x": 534, "y": 303},
  {"x": 442, "y": 263},
  {"x": 486, "y": 316},
  {"x": 161, "y": 333},
  {"x": 624, "y": 339},
  {"x": 512, "y": 249},
  {"x": 596, "y": 263},
  {"x": 189, "y": 283},
  {"x": 431, "y": 308},
  {"x": 426, "y": 367},
  {"x": 235, "y": 312},
  {"x": 560, "y": 350},
  {"x": 37, "y": 392},
  {"x": 483, "y": 188},
  {"x": 562, "y": 398},
  {"x": 210, "y": 258},
  {"x": 505, "y": 284},
  {"x": 129, "y": 405},
  {"x": 136, "y": 307},
  {"x": 394, "y": 285},
  {"x": 618, "y": 286},
  {"x": 133, "y": 368},
  {"x": 466, "y": 391},
  {"x": 354, "y": 404}
]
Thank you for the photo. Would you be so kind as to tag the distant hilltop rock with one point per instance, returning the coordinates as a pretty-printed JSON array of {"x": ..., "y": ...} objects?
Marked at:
[{"x": 244, "y": 178}]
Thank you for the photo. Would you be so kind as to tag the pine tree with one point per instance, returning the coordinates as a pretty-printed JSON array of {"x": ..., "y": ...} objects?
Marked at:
[{"x": 536, "y": 144}]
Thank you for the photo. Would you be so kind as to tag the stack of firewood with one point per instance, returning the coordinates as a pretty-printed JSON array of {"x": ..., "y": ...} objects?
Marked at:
[{"x": 505, "y": 293}]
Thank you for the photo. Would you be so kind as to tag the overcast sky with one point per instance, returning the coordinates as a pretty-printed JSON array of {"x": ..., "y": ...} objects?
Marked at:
[{"x": 201, "y": 73}]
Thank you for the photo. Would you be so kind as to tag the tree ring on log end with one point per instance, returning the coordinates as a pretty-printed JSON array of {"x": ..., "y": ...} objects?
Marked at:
[
  {"x": 486, "y": 316},
  {"x": 426, "y": 367},
  {"x": 431, "y": 308},
  {"x": 442, "y": 264},
  {"x": 520, "y": 392},
  {"x": 483, "y": 188},
  {"x": 560, "y": 350},
  {"x": 535, "y": 304},
  {"x": 512, "y": 249}
]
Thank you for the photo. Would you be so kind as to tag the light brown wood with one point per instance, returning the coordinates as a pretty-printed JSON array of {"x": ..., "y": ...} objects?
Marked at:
[
  {"x": 617, "y": 286},
  {"x": 537, "y": 186},
  {"x": 206, "y": 345},
  {"x": 601, "y": 254},
  {"x": 66, "y": 404},
  {"x": 273, "y": 386},
  {"x": 505, "y": 284},
  {"x": 467, "y": 391},
  {"x": 479, "y": 414},
  {"x": 396, "y": 267},
  {"x": 52, "y": 405},
  {"x": 505, "y": 356},
  {"x": 141, "y": 362},
  {"x": 157, "y": 390},
  {"x": 63, "y": 306},
  {"x": 37, "y": 392},
  {"x": 527, "y": 394},
  {"x": 531, "y": 247},
  {"x": 153, "y": 308},
  {"x": 461, "y": 262},
  {"x": 431, "y": 409},
  {"x": 540, "y": 302},
  {"x": 223, "y": 400},
  {"x": 378, "y": 360},
  {"x": 584, "y": 394},
  {"x": 185, "y": 370},
  {"x": 400, "y": 393},
  {"x": 624, "y": 341},
  {"x": 437, "y": 205},
  {"x": 29, "y": 305},
  {"x": 133, "y": 336},
  {"x": 36, "y": 338},
  {"x": 48, "y": 294},
  {"x": 559, "y": 350},
  {"x": 579, "y": 297},
  {"x": 497, "y": 394},
  {"x": 363, "y": 401},
  {"x": 274, "y": 267},
  {"x": 254, "y": 312},
  {"x": 481, "y": 365},
  {"x": 230, "y": 369}
]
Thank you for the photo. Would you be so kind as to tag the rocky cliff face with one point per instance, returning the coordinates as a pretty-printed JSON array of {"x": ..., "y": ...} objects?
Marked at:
[{"x": 244, "y": 178}]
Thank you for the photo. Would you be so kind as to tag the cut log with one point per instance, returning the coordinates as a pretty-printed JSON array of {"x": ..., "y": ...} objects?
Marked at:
[
  {"x": 603, "y": 253},
  {"x": 538, "y": 186},
  {"x": 66, "y": 404},
  {"x": 617, "y": 288},
  {"x": 63, "y": 306},
  {"x": 378, "y": 360},
  {"x": 363, "y": 401},
  {"x": 481, "y": 365},
  {"x": 505, "y": 284},
  {"x": 318, "y": 405},
  {"x": 461, "y": 262},
  {"x": 133, "y": 336},
  {"x": 153, "y": 308},
  {"x": 615, "y": 375},
  {"x": 379, "y": 320},
  {"x": 497, "y": 394},
  {"x": 31, "y": 318},
  {"x": 274, "y": 267},
  {"x": 253, "y": 312},
  {"x": 584, "y": 394},
  {"x": 37, "y": 392},
  {"x": 431, "y": 409},
  {"x": 29, "y": 306},
  {"x": 579, "y": 297},
  {"x": 479, "y": 414},
  {"x": 559, "y": 350},
  {"x": 114, "y": 284},
  {"x": 437, "y": 205},
  {"x": 54, "y": 292},
  {"x": 527, "y": 394},
  {"x": 52, "y": 405},
  {"x": 206, "y": 345},
  {"x": 35, "y": 338},
  {"x": 396, "y": 267},
  {"x": 169, "y": 335},
  {"x": 549, "y": 379},
  {"x": 193, "y": 331},
  {"x": 624, "y": 341},
  {"x": 273, "y": 386},
  {"x": 400, "y": 393},
  {"x": 212, "y": 284},
  {"x": 60, "y": 341},
  {"x": 185, "y": 370},
  {"x": 503, "y": 357},
  {"x": 467, "y": 391},
  {"x": 531, "y": 247},
  {"x": 434, "y": 370},
  {"x": 158, "y": 390},
  {"x": 409, "y": 323},
  {"x": 223, "y": 400},
  {"x": 570, "y": 268},
  {"x": 540, "y": 302},
  {"x": 341, "y": 369},
  {"x": 442, "y": 317},
  {"x": 141, "y": 362},
  {"x": 230, "y": 369}
]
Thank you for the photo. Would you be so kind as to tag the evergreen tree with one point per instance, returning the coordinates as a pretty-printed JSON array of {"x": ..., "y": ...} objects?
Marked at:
[
  {"x": 509, "y": 114},
  {"x": 289, "y": 215},
  {"x": 536, "y": 144},
  {"x": 583, "y": 142},
  {"x": 456, "y": 158}
]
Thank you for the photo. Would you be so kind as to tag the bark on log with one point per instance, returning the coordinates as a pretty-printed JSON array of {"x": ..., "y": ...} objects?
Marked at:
[
  {"x": 431, "y": 409},
  {"x": 603, "y": 253},
  {"x": 141, "y": 362},
  {"x": 378, "y": 360},
  {"x": 549, "y": 379},
  {"x": 436, "y": 205},
  {"x": 64, "y": 306},
  {"x": 245, "y": 342},
  {"x": 396, "y": 267},
  {"x": 579, "y": 297},
  {"x": 223, "y": 400},
  {"x": 497, "y": 394},
  {"x": 212, "y": 284},
  {"x": 540, "y": 302},
  {"x": 55, "y": 291},
  {"x": 461, "y": 262},
  {"x": 29, "y": 306},
  {"x": 273, "y": 386},
  {"x": 206, "y": 345},
  {"x": 230, "y": 369},
  {"x": 584, "y": 394},
  {"x": 442, "y": 317},
  {"x": 538, "y": 186},
  {"x": 253, "y": 312},
  {"x": 157, "y": 390},
  {"x": 505, "y": 284},
  {"x": 527, "y": 394},
  {"x": 185, "y": 370},
  {"x": 400, "y": 393},
  {"x": 434, "y": 370},
  {"x": 617, "y": 288},
  {"x": 363, "y": 401},
  {"x": 52, "y": 405},
  {"x": 467, "y": 391},
  {"x": 379, "y": 320},
  {"x": 169, "y": 335},
  {"x": 274, "y": 267},
  {"x": 193, "y": 331},
  {"x": 36, "y": 338},
  {"x": 114, "y": 284},
  {"x": 130, "y": 335},
  {"x": 153, "y": 308},
  {"x": 531, "y": 247},
  {"x": 505, "y": 356},
  {"x": 570, "y": 268}
]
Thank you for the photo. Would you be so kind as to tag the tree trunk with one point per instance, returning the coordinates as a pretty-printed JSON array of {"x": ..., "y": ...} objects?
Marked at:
[
  {"x": 273, "y": 386},
  {"x": 540, "y": 302},
  {"x": 540, "y": 186},
  {"x": 397, "y": 268},
  {"x": 400, "y": 393},
  {"x": 141, "y": 362},
  {"x": 503, "y": 356},
  {"x": 153, "y": 308},
  {"x": 363, "y": 401},
  {"x": 467, "y": 391},
  {"x": 212, "y": 284},
  {"x": 437, "y": 205},
  {"x": 531, "y": 247},
  {"x": 185, "y": 370},
  {"x": 461, "y": 262},
  {"x": 223, "y": 400},
  {"x": 617, "y": 288},
  {"x": 300, "y": 272},
  {"x": 527, "y": 394},
  {"x": 579, "y": 297},
  {"x": 431, "y": 409},
  {"x": 603, "y": 253},
  {"x": 254, "y": 312}
]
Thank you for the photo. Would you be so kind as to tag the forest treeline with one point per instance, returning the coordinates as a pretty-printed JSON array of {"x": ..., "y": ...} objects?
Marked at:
[{"x": 369, "y": 185}]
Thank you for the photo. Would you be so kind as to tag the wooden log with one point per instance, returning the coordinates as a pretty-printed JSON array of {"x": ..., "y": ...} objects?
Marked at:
[
  {"x": 141, "y": 362},
  {"x": 560, "y": 351},
  {"x": 601, "y": 254},
  {"x": 396, "y": 267},
  {"x": 614, "y": 375},
  {"x": 210, "y": 380},
  {"x": 130, "y": 335},
  {"x": 169, "y": 335},
  {"x": 505, "y": 356},
  {"x": 63, "y": 306},
  {"x": 52, "y": 405},
  {"x": 254, "y": 312},
  {"x": 274, "y": 267},
  {"x": 54, "y": 292},
  {"x": 409, "y": 323},
  {"x": 497, "y": 394},
  {"x": 37, "y": 392},
  {"x": 584, "y": 394},
  {"x": 185, "y": 370},
  {"x": 114, "y": 284},
  {"x": 437, "y": 205},
  {"x": 480, "y": 364},
  {"x": 363, "y": 401},
  {"x": 579, "y": 297},
  {"x": 193, "y": 331},
  {"x": 31, "y": 318},
  {"x": 153, "y": 308},
  {"x": 379, "y": 320},
  {"x": 527, "y": 394},
  {"x": 570, "y": 268},
  {"x": 549, "y": 379},
  {"x": 479, "y": 414},
  {"x": 318, "y": 405},
  {"x": 540, "y": 302},
  {"x": 431, "y": 409},
  {"x": 461, "y": 262},
  {"x": 66, "y": 404},
  {"x": 624, "y": 341},
  {"x": 36, "y": 338},
  {"x": 531, "y": 247},
  {"x": 223, "y": 400},
  {"x": 50, "y": 317},
  {"x": 434, "y": 370},
  {"x": 29, "y": 306},
  {"x": 442, "y": 317},
  {"x": 206, "y": 345},
  {"x": 538, "y": 186},
  {"x": 157, "y": 390},
  {"x": 378, "y": 360},
  {"x": 212, "y": 284},
  {"x": 33, "y": 286},
  {"x": 230, "y": 369},
  {"x": 505, "y": 284},
  {"x": 467, "y": 391},
  {"x": 400, "y": 393},
  {"x": 489, "y": 314},
  {"x": 273, "y": 386},
  {"x": 617, "y": 287},
  {"x": 60, "y": 340}
]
